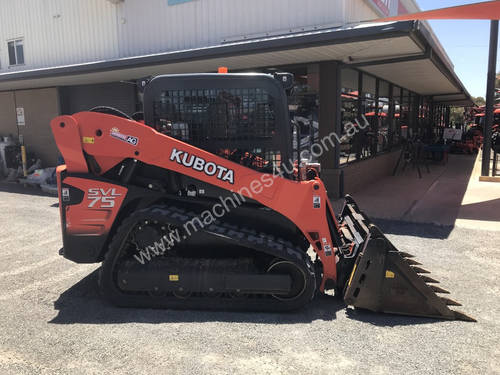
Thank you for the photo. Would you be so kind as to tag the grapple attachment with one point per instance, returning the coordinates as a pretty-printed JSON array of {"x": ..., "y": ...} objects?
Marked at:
[{"x": 384, "y": 279}]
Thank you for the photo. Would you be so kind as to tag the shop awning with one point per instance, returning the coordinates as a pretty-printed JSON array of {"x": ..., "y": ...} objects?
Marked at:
[{"x": 403, "y": 53}]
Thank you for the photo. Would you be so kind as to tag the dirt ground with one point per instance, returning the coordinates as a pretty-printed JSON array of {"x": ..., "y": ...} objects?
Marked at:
[{"x": 54, "y": 321}]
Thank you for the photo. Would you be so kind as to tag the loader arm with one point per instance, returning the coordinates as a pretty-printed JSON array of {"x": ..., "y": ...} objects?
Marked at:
[{"x": 108, "y": 140}]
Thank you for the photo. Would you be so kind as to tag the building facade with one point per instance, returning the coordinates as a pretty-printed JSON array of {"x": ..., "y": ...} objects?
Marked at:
[
  {"x": 64, "y": 56},
  {"x": 65, "y": 32}
]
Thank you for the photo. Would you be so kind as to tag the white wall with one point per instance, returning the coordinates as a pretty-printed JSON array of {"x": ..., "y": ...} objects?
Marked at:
[
  {"x": 356, "y": 11},
  {"x": 198, "y": 23},
  {"x": 64, "y": 32},
  {"x": 58, "y": 32}
]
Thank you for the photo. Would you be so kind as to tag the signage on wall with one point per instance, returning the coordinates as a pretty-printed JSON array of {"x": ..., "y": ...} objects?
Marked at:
[
  {"x": 381, "y": 5},
  {"x": 20, "y": 116},
  {"x": 175, "y": 2}
]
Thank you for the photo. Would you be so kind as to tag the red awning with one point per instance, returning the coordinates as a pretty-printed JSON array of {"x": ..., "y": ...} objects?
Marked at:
[{"x": 488, "y": 10}]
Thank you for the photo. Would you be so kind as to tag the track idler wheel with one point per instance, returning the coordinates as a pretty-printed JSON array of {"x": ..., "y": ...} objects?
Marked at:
[
  {"x": 298, "y": 276},
  {"x": 384, "y": 279}
]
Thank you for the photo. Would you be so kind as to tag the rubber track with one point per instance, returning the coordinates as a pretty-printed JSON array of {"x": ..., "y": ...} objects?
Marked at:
[{"x": 241, "y": 236}]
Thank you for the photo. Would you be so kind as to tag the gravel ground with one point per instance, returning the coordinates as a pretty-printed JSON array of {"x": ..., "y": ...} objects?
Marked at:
[{"x": 54, "y": 321}]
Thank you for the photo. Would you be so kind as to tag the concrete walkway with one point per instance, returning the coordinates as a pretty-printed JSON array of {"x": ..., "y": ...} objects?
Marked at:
[
  {"x": 450, "y": 195},
  {"x": 480, "y": 207}
]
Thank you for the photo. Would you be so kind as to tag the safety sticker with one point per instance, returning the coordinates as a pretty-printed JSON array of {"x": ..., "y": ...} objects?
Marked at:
[
  {"x": 316, "y": 201},
  {"x": 389, "y": 274},
  {"x": 325, "y": 242},
  {"x": 65, "y": 194},
  {"x": 173, "y": 277},
  {"x": 328, "y": 250},
  {"x": 88, "y": 140}
]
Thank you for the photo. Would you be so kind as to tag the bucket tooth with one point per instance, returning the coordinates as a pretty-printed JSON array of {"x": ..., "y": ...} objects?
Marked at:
[
  {"x": 450, "y": 302},
  {"x": 461, "y": 316},
  {"x": 382, "y": 280},
  {"x": 420, "y": 270},
  {"x": 406, "y": 255},
  {"x": 437, "y": 289},
  {"x": 412, "y": 262},
  {"x": 429, "y": 280}
]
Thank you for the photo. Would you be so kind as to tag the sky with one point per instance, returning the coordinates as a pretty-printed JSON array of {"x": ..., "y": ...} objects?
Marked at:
[{"x": 466, "y": 43}]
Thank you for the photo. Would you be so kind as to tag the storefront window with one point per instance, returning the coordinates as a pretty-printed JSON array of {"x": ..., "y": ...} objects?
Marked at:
[
  {"x": 380, "y": 112},
  {"x": 350, "y": 98},
  {"x": 366, "y": 141},
  {"x": 405, "y": 115},
  {"x": 384, "y": 136},
  {"x": 422, "y": 119},
  {"x": 369, "y": 93},
  {"x": 396, "y": 95}
]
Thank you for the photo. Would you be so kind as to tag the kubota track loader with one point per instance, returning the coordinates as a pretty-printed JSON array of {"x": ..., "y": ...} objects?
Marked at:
[{"x": 203, "y": 205}]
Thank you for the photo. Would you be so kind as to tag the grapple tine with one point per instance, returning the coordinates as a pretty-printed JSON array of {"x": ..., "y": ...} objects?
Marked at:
[
  {"x": 437, "y": 289},
  {"x": 420, "y": 270},
  {"x": 429, "y": 280},
  {"x": 384, "y": 281},
  {"x": 450, "y": 302}
]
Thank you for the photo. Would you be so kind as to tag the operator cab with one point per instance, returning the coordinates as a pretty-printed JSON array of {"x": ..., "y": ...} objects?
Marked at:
[{"x": 241, "y": 117}]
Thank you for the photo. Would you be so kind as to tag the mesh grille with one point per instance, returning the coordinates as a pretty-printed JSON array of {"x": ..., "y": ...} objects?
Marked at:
[{"x": 238, "y": 124}]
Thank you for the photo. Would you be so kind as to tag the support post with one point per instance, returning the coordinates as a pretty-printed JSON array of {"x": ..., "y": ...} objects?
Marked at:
[
  {"x": 330, "y": 122},
  {"x": 390, "y": 116},
  {"x": 490, "y": 97}
]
